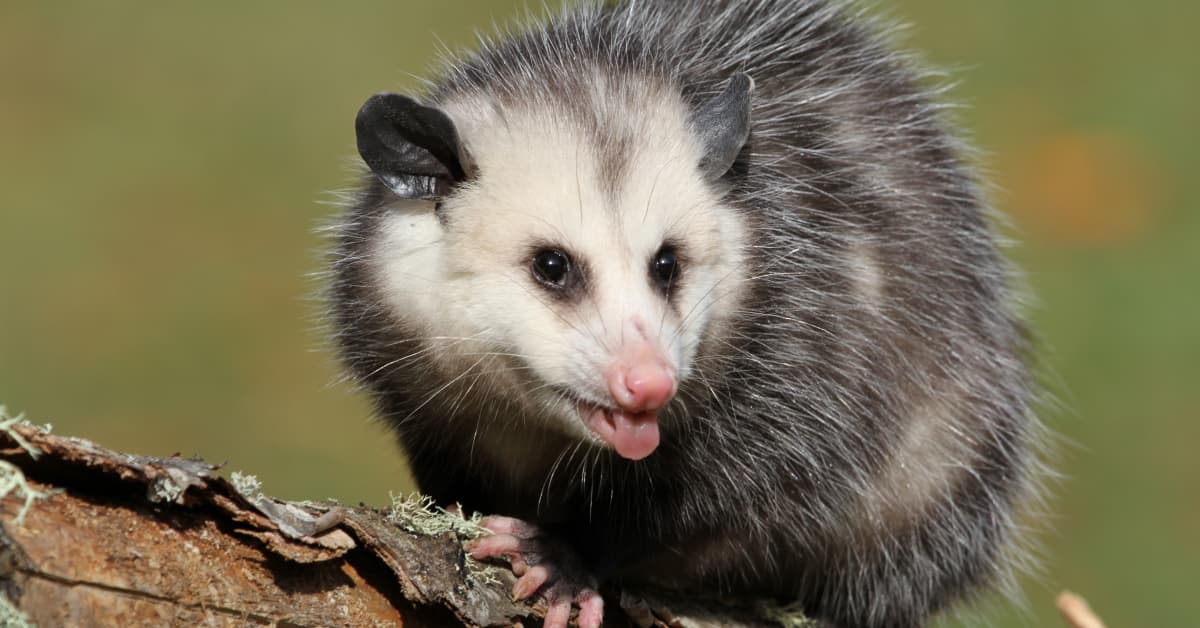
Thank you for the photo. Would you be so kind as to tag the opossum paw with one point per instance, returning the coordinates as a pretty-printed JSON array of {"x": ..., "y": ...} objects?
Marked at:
[{"x": 544, "y": 566}]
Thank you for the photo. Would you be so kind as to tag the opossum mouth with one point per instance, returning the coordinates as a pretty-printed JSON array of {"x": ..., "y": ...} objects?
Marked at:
[{"x": 633, "y": 435}]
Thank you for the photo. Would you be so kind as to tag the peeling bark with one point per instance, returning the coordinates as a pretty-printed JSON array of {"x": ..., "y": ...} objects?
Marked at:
[
  {"x": 94, "y": 537},
  {"x": 134, "y": 540}
]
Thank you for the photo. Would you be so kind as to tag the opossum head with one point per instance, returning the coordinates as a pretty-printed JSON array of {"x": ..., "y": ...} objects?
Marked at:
[{"x": 568, "y": 249}]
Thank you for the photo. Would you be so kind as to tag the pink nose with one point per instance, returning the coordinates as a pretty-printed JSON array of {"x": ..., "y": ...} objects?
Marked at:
[{"x": 640, "y": 380}]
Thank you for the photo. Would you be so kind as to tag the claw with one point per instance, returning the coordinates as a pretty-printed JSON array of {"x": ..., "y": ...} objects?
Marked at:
[{"x": 543, "y": 567}]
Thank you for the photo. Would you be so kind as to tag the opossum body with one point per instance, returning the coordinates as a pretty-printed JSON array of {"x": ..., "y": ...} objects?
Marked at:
[{"x": 699, "y": 295}]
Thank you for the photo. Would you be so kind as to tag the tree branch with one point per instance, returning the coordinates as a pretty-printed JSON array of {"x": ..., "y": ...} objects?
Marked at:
[{"x": 90, "y": 536}]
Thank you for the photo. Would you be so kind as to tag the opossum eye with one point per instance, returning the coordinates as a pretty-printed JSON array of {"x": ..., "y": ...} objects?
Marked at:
[
  {"x": 551, "y": 267},
  {"x": 664, "y": 269}
]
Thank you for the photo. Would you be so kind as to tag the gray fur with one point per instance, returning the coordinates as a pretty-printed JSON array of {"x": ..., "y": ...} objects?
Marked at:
[{"x": 785, "y": 469}]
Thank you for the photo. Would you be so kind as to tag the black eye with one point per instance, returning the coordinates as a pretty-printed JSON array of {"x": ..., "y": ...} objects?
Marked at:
[
  {"x": 664, "y": 268},
  {"x": 551, "y": 267}
]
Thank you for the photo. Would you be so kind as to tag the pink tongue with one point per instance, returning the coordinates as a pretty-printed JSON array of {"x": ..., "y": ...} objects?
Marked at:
[{"x": 634, "y": 436}]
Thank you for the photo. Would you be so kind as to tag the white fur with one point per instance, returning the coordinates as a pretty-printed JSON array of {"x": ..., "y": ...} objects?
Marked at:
[
  {"x": 866, "y": 274},
  {"x": 860, "y": 445},
  {"x": 470, "y": 281},
  {"x": 932, "y": 451}
]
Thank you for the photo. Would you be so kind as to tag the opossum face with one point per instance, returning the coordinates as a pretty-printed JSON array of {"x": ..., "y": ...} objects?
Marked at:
[{"x": 575, "y": 259}]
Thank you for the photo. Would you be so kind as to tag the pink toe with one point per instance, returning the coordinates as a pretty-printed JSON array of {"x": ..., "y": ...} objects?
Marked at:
[
  {"x": 518, "y": 565},
  {"x": 501, "y": 525},
  {"x": 558, "y": 615},
  {"x": 493, "y": 546},
  {"x": 591, "y": 609},
  {"x": 529, "y": 583}
]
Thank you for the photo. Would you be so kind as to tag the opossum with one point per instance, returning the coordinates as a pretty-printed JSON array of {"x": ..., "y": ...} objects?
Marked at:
[{"x": 698, "y": 295}]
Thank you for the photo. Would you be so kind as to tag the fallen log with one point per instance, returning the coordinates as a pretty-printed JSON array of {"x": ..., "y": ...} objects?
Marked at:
[
  {"x": 90, "y": 536},
  {"x": 95, "y": 537}
]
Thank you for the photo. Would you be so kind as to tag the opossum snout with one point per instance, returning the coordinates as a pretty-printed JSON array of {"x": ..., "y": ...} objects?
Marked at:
[{"x": 640, "y": 379}]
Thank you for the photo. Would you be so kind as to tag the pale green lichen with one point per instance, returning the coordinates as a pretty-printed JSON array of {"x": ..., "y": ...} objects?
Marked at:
[
  {"x": 12, "y": 479},
  {"x": 790, "y": 616},
  {"x": 11, "y": 616},
  {"x": 418, "y": 514},
  {"x": 6, "y": 425},
  {"x": 165, "y": 489},
  {"x": 715, "y": 610},
  {"x": 248, "y": 485}
]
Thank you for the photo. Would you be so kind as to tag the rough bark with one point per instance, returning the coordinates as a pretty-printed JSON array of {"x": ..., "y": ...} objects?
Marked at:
[
  {"x": 94, "y": 537},
  {"x": 122, "y": 540}
]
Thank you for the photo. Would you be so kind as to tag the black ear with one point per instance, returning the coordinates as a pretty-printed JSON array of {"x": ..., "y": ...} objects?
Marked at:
[
  {"x": 723, "y": 125},
  {"x": 413, "y": 149}
]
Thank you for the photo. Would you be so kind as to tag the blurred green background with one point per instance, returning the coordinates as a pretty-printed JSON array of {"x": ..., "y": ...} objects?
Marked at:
[{"x": 163, "y": 164}]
